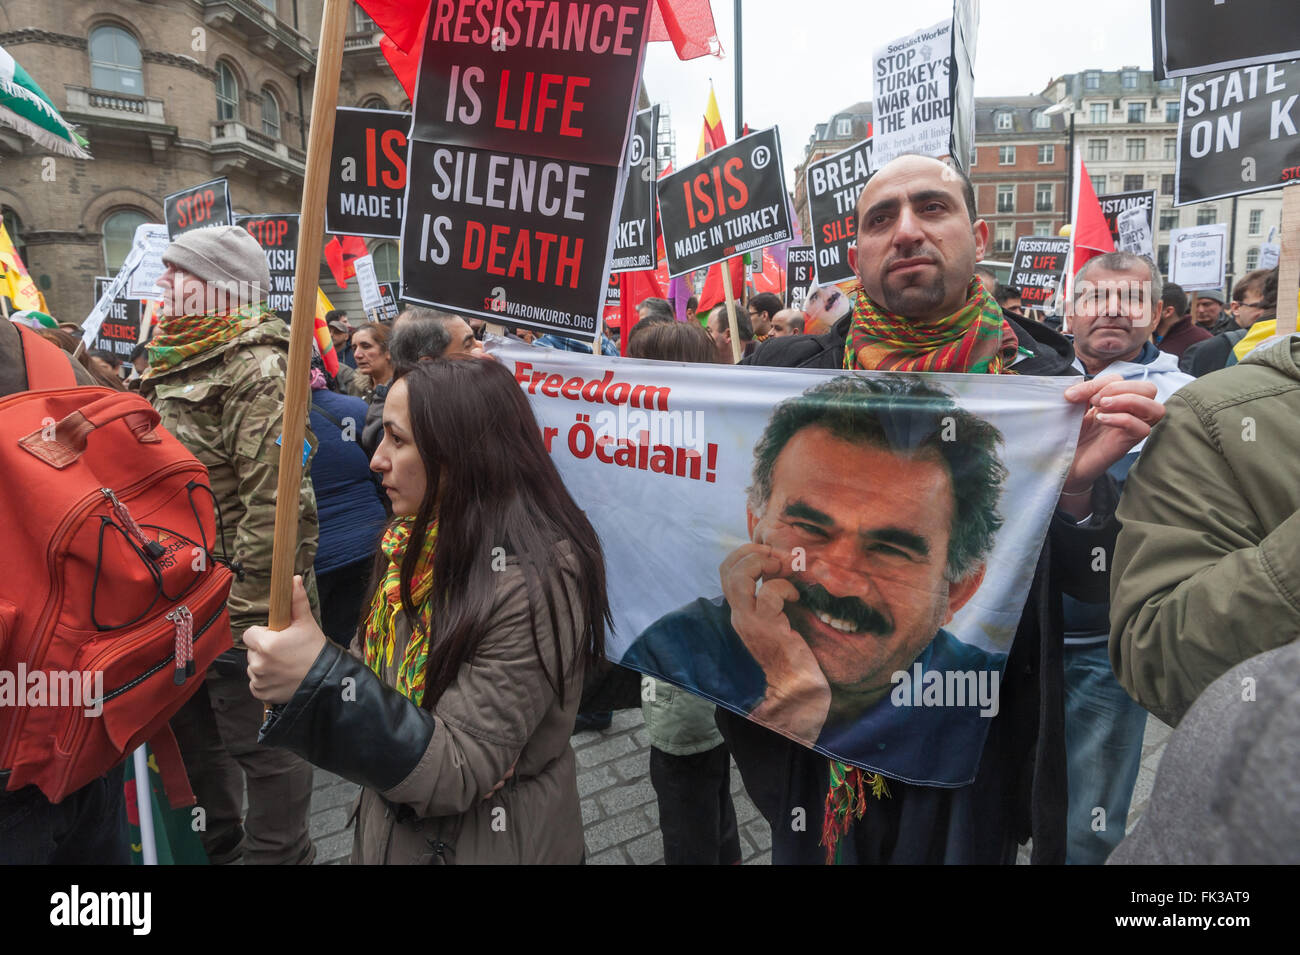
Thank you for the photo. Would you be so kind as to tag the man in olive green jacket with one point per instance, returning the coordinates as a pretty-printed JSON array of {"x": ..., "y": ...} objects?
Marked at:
[
  {"x": 1207, "y": 565},
  {"x": 216, "y": 375}
]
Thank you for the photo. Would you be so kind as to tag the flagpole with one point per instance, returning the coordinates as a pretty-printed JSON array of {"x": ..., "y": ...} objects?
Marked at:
[
  {"x": 740, "y": 80},
  {"x": 311, "y": 235},
  {"x": 731, "y": 312},
  {"x": 1288, "y": 266}
]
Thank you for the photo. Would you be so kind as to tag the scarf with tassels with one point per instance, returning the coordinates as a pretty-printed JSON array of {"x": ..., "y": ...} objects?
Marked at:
[
  {"x": 381, "y": 623},
  {"x": 181, "y": 337},
  {"x": 977, "y": 339}
]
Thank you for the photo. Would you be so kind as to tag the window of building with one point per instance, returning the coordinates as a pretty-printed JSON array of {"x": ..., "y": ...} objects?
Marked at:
[
  {"x": 1171, "y": 111},
  {"x": 270, "y": 115},
  {"x": 1133, "y": 182},
  {"x": 1044, "y": 197},
  {"x": 1042, "y": 228},
  {"x": 1003, "y": 121},
  {"x": 1129, "y": 79},
  {"x": 1042, "y": 120},
  {"x": 1046, "y": 154},
  {"x": 1256, "y": 222},
  {"x": 1098, "y": 149},
  {"x": 374, "y": 102},
  {"x": 1162, "y": 259},
  {"x": 1004, "y": 238},
  {"x": 1092, "y": 80},
  {"x": 119, "y": 232},
  {"x": 1006, "y": 155},
  {"x": 1098, "y": 183},
  {"x": 1168, "y": 220},
  {"x": 1207, "y": 215},
  {"x": 1252, "y": 258},
  {"x": 362, "y": 23},
  {"x": 1099, "y": 113},
  {"x": 227, "y": 93},
  {"x": 1006, "y": 198},
  {"x": 843, "y": 127},
  {"x": 115, "y": 61},
  {"x": 1137, "y": 112},
  {"x": 1170, "y": 83},
  {"x": 1167, "y": 184},
  {"x": 385, "y": 257},
  {"x": 1135, "y": 149},
  {"x": 270, "y": 4},
  {"x": 1171, "y": 148},
  {"x": 974, "y": 154}
]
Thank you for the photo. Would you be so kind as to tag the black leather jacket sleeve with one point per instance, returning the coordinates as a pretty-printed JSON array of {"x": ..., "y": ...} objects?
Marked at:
[
  {"x": 1082, "y": 553},
  {"x": 346, "y": 720}
]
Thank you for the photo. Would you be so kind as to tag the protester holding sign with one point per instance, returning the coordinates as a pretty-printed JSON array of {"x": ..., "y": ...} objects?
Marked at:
[
  {"x": 217, "y": 377},
  {"x": 467, "y": 672},
  {"x": 921, "y": 308}
]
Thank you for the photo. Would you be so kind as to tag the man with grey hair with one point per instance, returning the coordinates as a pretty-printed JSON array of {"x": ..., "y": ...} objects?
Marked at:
[{"x": 1117, "y": 298}]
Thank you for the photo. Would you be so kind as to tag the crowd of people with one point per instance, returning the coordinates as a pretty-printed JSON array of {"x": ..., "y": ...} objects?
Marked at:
[{"x": 1167, "y": 579}]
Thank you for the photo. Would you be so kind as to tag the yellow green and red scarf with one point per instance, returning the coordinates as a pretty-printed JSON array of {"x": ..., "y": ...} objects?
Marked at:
[
  {"x": 381, "y": 623},
  {"x": 181, "y": 337},
  {"x": 977, "y": 339}
]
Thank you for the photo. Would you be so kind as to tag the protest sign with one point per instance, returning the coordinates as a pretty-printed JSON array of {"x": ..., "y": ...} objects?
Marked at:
[
  {"x": 388, "y": 309},
  {"x": 799, "y": 275},
  {"x": 278, "y": 237},
  {"x": 1197, "y": 256},
  {"x": 613, "y": 297},
  {"x": 198, "y": 207},
  {"x": 634, "y": 250},
  {"x": 659, "y": 456},
  {"x": 916, "y": 81},
  {"x": 1269, "y": 254},
  {"x": 1201, "y": 36},
  {"x": 110, "y": 293},
  {"x": 515, "y": 162},
  {"x": 833, "y": 185},
  {"x": 1238, "y": 132},
  {"x": 1132, "y": 220},
  {"x": 1037, "y": 267},
  {"x": 367, "y": 174},
  {"x": 153, "y": 240},
  {"x": 731, "y": 201},
  {"x": 120, "y": 328},
  {"x": 367, "y": 284}
]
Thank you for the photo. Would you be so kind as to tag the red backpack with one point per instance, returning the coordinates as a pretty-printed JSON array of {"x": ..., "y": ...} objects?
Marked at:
[{"x": 112, "y": 605}]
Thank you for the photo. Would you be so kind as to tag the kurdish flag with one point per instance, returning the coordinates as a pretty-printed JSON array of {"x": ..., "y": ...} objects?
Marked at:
[
  {"x": 324, "y": 341},
  {"x": 25, "y": 107}
]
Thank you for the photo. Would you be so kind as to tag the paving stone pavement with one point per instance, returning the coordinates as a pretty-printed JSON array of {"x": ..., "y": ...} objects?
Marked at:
[{"x": 619, "y": 814}]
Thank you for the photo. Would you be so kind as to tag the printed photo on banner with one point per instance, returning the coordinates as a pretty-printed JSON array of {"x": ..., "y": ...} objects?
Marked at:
[
  {"x": 1132, "y": 220},
  {"x": 833, "y": 185},
  {"x": 832, "y": 555},
  {"x": 634, "y": 250},
  {"x": 516, "y": 160},
  {"x": 731, "y": 201},
  {"x": 367, "y": 175},
  {"x": 198, "y": 207},
  {"x": 1201, "y": 36},
  {"x": 1037, "y": 267},
  {"x": 1238, "y": 132},
  {"x": 278, "y": 237}
]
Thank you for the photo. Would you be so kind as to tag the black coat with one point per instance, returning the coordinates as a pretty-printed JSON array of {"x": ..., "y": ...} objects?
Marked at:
[
  {"x": 1020, "y": 789},
  {"x": 1211, "y": 354}
]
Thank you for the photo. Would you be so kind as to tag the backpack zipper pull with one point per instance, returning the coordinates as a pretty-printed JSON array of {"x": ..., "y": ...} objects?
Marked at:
[
  {"x": 183, "y": 621},
  {"x": 152, "y": 548}
]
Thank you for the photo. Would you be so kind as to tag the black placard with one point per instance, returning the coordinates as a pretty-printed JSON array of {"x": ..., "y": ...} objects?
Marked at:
[
  {"x": 634, "y": 249},
  {"x": 1238, "y": 132},
  {"x": 799, "y": 274},
  {"x": 833, "y": 185},
  {"x": 1201, "y": 36},
  {"x": 389, "y": 310},
  {"x": 731, "y": 201},
  {"x": 549, "y": 78},
  {"x": 1037, "y": 267},
  {"x": 198, "y": 207},
  {"x": 278, "y": 237},
  {"x": 1117, "y": 207},
  {"x": 367, "y": 184},
  {"x": 121, "y": 326}
]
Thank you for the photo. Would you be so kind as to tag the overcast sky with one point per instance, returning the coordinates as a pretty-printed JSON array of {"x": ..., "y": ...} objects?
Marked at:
[{"x": 806, "y": 59}]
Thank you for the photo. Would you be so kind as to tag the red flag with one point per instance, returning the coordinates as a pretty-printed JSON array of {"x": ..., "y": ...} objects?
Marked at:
[
  {"x": 689, "y": 24},
  {"x": 1091, "y": 235},
  {"x": 713, "y": 292},
  {"x": 339, "y": 256}
]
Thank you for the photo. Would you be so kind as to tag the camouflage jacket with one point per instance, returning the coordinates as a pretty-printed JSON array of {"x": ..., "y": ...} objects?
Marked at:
[{"x": 226, "y": 406}]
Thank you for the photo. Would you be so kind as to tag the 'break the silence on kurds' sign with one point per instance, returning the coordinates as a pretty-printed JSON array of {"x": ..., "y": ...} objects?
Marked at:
[
  {"x": 833, "y": 186},
  {"x": 515, "y": 164}
]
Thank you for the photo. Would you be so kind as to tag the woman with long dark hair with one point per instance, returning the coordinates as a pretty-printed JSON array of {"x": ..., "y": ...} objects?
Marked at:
[{"x": 455, "y": 706}]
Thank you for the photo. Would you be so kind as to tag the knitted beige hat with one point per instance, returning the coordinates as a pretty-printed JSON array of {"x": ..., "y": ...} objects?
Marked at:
[{"x": 223, "y": 255}]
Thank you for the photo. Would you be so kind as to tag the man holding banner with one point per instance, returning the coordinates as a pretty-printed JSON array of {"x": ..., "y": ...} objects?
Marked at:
[{"x": 920, "y": 308}]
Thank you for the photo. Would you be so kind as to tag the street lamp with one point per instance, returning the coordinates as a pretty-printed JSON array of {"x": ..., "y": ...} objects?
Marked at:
[{"x": 1056, "y": 108}]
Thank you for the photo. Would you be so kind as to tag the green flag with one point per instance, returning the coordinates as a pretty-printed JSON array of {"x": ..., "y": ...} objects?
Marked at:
[{"x": 25, "y": 107}]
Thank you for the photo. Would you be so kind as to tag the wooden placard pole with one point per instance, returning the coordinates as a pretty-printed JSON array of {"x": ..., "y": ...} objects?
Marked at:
[
  {"x": 731, "y": 312},
  {"x": 311, "y": 237},
  {"x": 1288, "y": 265}
]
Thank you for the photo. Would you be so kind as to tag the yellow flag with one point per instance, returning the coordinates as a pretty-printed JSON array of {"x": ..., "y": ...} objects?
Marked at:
[
  {"x": 712, "y": 135},
  {"x": 14, "y": 280}
]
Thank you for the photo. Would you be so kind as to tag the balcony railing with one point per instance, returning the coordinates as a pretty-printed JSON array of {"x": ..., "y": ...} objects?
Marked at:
[
  {"x": 104, "y": 104},
  {"x": 231, "y": 133}
]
